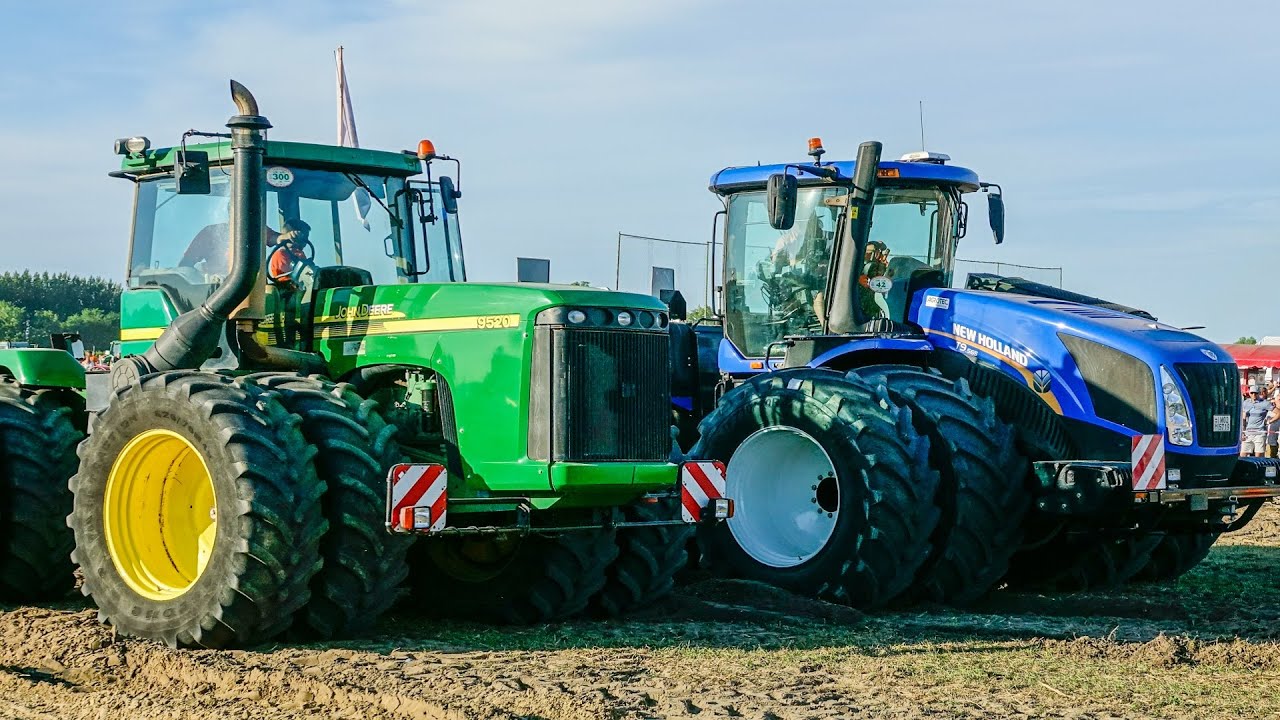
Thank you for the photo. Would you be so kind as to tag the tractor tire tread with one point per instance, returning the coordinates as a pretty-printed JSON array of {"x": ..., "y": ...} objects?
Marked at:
[
  {"x": 982, "y": 497},
  {"x": 649, "y": 558},
  {"x": 895, "y": 509},
  {"x": 276, "y": 518},
  {"x": 364, "y": 565},
  {"x": 1174, "y": 556},
  {"x": 38, "y": 437}
]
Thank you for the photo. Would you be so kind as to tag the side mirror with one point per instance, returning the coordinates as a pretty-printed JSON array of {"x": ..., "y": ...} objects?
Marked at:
[
  {"x": 191, "y": 173},
  {"x": 995, "y": 213},
  {"x": 449, "y": 195},
  {"x": 676, "y": 305},
  {"x": 782, "y": 201}
]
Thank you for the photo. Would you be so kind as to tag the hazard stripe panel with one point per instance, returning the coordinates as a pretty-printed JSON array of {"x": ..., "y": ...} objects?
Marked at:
[
  {"x": 700, "y": 483},
  {"x": 417, "y": 500},
  {"x": 1148, "y": 462}
]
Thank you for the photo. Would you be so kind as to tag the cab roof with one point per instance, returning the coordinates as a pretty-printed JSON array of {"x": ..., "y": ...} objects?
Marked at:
[
  {"x": 754, "y": 177},
  {"x": 404, "y": 164}
]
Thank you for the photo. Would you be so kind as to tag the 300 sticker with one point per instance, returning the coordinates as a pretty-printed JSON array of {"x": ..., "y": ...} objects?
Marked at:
[
  {"x": 279, "y": 177},
  {"x": 494, "y": 322}
]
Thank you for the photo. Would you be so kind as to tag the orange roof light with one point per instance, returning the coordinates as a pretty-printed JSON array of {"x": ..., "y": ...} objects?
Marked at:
[
  {"x": 426, "y": 150},
  {"x": 815, "y": 148}
]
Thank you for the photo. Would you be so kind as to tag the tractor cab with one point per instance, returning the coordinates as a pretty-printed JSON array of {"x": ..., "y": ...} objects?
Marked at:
[
  {"x": 334, "y": 218},
  {"x": 782, "y": 229}
]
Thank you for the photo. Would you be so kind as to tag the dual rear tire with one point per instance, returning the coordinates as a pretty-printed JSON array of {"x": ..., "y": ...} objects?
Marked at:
[
  {"x": 210, "y": 511},
  {"x": 888, "y": 484},
  {"x": 38, "y": 436},
  {"x": 542, "y": 578}
]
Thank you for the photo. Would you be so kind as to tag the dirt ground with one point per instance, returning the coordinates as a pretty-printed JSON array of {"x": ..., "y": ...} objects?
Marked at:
[{"x": 1207, "y": 647}]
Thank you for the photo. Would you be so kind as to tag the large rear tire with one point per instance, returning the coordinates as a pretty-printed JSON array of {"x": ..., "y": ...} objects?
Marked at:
[
  {"x": 648, "y": 560},
  {"x": 38, "y": 438},
  {"x": 197, "y": 512},
  {"x": 1082, "y": 561},
  {"x": 833, "y": 493},
  {"x": 982, "y": 496},
  {"x": 511, "y": 579},
  {"x": 364, "y": 565},
  {"x": 1174, "y": 556}
]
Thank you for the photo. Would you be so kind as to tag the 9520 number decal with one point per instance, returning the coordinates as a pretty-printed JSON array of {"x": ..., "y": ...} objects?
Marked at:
[{"x": 497, "y": 322}]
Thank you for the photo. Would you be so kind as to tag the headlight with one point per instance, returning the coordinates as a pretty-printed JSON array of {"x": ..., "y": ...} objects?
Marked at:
[
  {"x": 1177, "y": 419},
  {"x": 624, "y": 318},
  {"x": 577, "y": 317}
]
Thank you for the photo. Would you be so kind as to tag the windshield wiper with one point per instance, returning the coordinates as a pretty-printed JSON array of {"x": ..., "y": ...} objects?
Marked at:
[{"x": 359, "y": 181}]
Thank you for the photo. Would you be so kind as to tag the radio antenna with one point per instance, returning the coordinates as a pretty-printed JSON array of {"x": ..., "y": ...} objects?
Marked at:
[{"x": 922, "y": 147}]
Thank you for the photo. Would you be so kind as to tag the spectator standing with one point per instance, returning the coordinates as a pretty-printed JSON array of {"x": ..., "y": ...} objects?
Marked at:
[
  {"x": 1253, "y": 421},
  {"x": 1273, "y": 426}
]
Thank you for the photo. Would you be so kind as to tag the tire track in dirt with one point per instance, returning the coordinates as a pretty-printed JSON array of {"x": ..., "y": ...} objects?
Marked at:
[
  {"x": 715, "y": 649},
  {"x": 91, "y": 670}
]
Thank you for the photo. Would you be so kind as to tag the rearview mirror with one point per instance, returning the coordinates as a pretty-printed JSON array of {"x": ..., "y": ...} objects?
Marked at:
[
  {"x": 449, "y": 195},
  {"x": 995, "y": 213},
  {"x": 782, "y": 201},
  {"x": 191, "y": 173}
]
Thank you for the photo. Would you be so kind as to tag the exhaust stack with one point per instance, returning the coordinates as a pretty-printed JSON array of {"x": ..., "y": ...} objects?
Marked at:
[
  {"x": 844, "y": 310},
  {"x": 193, "y": 337}
]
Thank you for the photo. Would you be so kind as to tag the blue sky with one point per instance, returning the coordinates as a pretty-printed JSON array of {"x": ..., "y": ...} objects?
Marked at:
[{"x": 1136, "y": 142}]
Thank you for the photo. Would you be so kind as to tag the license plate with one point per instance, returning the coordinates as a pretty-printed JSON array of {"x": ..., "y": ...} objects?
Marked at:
[{"x": 1221, "y": 423}]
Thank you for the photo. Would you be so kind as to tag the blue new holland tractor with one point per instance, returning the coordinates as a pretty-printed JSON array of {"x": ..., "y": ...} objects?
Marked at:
[{"x": 891, "y": 439}]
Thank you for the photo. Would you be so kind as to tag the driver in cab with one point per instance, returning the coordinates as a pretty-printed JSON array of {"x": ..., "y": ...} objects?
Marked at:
[
  {"x": 288, "y": 252},
  {"x": 210, "y": 250}
]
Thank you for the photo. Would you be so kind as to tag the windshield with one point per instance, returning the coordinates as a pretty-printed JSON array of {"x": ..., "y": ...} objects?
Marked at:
[
  {"x": 775, "y": 279},
  {"x": 437, "y": 241},
  {"x": 182, "y": 242}
]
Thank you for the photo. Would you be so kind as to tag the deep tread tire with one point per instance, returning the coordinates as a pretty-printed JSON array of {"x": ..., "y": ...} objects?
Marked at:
[
  {"x": 268, "y": 500},
  {"x": 542, "y": 579},
  {"x": 364, "y": 565},
  {"x": 1079, "y": 562},
  {"x": 981, "y": 497},
  {"x": 38, "y": 438},
  {"x": 648, "y": 560},
  {"x": 1174, "y": 556},
  {"x": 882, "y": 535}
]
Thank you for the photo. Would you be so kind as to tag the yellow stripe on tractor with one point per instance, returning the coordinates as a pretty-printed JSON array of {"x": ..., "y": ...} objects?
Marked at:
[
  {"x": 128, "y": 334},
  {"x": 396, "y": 327}
]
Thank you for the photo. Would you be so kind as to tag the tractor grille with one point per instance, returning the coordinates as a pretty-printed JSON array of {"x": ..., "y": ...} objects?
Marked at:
[
  {"x": 1121, "y": 387},
  {"x": 1213, "y": 389},
  {"x": 600, "y": 395}
]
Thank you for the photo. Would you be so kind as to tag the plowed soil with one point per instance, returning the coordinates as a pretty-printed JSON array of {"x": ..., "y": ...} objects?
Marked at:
[{"x": 1205, "y": 647}]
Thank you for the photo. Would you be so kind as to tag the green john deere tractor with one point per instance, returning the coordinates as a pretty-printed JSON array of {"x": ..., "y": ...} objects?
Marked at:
[
  {"x": 42, "y": 419},
  {"x": 309, "y": 384}
]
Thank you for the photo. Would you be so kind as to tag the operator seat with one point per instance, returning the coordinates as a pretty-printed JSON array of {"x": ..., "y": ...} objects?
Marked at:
[
  {"x": 341, "y": 276},
  {"x": 910, "y": 276}
]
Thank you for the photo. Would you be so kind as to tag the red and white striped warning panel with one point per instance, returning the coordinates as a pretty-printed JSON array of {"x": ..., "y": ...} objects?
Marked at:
[
  {"x": 1148, "y": 462},
  {"x": 417, "y": 499},
  {"x": 700, "y": 483}
]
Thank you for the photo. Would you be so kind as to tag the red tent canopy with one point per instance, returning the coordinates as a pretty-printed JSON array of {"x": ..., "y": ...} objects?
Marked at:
[{"x": 1255, "y": 356}]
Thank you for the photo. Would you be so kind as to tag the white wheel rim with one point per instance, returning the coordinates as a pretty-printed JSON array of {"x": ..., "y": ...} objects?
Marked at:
[{"x": 785, "y": 494}]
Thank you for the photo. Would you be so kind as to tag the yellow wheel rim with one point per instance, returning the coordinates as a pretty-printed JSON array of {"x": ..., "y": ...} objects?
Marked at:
[{"x": 160, "y": 516}]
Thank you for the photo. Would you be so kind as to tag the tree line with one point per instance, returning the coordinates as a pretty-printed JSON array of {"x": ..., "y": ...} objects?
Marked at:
[{"x": 34, "y": 306}]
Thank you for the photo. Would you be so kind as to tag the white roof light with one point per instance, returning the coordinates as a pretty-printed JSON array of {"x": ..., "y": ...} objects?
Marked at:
[{"x": 926, "y": 157}]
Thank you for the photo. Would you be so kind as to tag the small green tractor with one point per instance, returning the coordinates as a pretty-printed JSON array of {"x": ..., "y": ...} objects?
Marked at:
[{"x": 309, "y": 385}]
